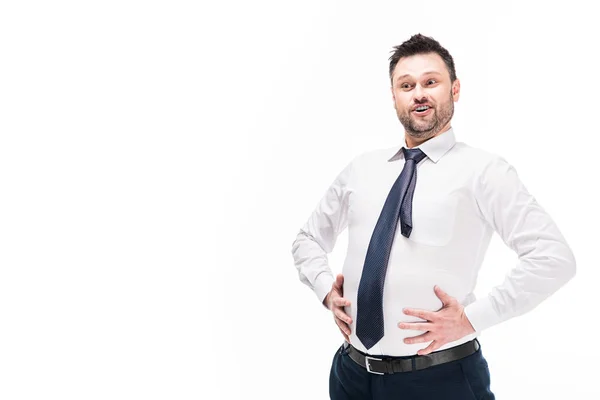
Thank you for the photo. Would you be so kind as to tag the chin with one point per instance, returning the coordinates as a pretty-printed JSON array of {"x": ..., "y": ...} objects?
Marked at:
[{"x": 420, "y": 132}]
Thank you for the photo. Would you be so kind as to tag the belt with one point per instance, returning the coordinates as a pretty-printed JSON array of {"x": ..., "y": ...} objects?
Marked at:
[{"x": 391, "y": 365}]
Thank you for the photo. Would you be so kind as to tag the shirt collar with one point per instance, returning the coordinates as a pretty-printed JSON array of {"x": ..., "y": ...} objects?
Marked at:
[{"x": 434, "y": 148}]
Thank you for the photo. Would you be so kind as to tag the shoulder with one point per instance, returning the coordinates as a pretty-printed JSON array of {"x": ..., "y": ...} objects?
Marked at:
[
  {"x": 490, "y": 172},
  {"x": 376, "y": 156},
  {"x": 480, "y": 160},
  {"x": 364, "y": 163}
]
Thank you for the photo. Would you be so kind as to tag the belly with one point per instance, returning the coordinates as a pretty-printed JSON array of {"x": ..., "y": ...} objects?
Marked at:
[{"x": 411, "y": 289}]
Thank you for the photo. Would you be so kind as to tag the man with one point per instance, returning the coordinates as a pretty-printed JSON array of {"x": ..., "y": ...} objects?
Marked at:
[{"x": 404, "y": 303}]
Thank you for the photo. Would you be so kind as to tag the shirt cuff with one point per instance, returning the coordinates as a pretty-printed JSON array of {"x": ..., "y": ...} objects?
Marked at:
[
  {"x": 481, "y": 314},
  {"x": 323, "y": 285}
]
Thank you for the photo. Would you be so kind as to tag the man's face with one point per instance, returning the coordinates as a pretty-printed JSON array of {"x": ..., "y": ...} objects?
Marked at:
[{"x": 424, "y": 80}]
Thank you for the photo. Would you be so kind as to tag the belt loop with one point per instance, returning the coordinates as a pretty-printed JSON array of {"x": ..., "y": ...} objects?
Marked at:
[
  {"x": 413, "y": 361},
  {"x": 345, "y": 347},
  {"x": 389, "y": 366}
]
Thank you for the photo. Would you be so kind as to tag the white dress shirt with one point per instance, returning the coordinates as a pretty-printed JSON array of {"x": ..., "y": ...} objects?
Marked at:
[{"x": 462, "y": 195}]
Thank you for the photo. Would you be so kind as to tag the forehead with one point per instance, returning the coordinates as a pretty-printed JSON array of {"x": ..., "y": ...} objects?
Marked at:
[{"x": 419, "y": 64}]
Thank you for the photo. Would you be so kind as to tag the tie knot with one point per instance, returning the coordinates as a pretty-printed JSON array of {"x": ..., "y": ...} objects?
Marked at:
[{"x": 413, "y": 154}]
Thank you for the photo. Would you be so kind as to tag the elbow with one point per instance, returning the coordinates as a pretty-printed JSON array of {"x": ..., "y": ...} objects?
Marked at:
[
  {"x": 567, "y": 265},
  {"x": 571, "y": 266},
  {"x": 301, "y": 236},
  {"x": 563, "y": 264}
]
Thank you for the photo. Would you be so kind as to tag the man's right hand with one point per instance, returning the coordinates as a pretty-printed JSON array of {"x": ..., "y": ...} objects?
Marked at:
[{"x": 336, "y": 303}]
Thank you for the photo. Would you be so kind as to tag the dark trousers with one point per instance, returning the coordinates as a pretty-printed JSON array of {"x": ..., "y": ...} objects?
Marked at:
[{"x": 464, "y": 379}]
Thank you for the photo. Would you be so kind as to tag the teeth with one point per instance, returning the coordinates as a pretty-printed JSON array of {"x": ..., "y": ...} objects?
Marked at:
[{"x": 422, "y": 108}]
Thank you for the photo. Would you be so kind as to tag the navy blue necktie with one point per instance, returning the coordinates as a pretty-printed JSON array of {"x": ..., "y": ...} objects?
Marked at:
[{"x": 398, "y": 205}]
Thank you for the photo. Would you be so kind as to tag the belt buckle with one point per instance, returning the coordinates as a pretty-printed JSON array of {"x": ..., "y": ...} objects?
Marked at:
[{"x": 367, "y": 358}]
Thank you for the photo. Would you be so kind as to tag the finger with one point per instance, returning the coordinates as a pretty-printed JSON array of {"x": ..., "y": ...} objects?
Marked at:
[
  {"x": 426, "y": 337},
  {"x": 341, "y": 302},
  {"x": 417, "y": 326},
  {"x": 432, "y": 347},
  {"x": 345, "y": 336},
  {"x": 443, "y": 296},
  {"x": 340, "y": 314},
  {"x": 343, "y": 326},
  {"x": 423, "y": 314},
  {"x": 339, "y": 281}
]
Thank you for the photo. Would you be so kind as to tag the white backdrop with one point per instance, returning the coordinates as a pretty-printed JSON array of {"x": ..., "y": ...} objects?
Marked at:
[{"x": 158, "y": 158}]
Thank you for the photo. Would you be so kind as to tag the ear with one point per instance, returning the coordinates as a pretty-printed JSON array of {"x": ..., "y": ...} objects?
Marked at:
[{"x": 456, "y": 90}]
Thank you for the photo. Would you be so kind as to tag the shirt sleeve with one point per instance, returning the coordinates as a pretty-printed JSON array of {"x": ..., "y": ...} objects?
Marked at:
[
  {"x": 319, "y": 234},
  {"x": 545, "y": 261}
]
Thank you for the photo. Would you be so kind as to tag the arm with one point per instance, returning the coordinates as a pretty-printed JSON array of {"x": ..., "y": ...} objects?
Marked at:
[
  {"x": 318, "y": 236},
  {"x": 545, "y": 261}
]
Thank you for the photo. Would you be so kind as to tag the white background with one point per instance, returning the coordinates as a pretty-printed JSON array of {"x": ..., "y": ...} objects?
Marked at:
[{"x": 158, "y": 158}]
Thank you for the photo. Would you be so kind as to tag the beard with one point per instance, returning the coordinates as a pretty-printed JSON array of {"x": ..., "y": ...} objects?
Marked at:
[{"x": 422, "y": 128}]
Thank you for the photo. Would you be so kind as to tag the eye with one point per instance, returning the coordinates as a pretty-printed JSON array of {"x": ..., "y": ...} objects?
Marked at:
[
  {"x": 431, "y": 81},
  {"x": 404, "y": 85}
]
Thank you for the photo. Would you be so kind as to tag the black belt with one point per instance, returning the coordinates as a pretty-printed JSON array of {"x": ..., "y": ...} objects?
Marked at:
[{"x": 391, "y": 365}]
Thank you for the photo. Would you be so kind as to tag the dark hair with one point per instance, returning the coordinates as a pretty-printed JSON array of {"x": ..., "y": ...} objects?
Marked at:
[{"x": 419, "y": 44}]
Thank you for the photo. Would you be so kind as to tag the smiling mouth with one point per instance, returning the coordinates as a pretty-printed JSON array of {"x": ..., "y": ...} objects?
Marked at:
[{"x": 422, "y": 110}]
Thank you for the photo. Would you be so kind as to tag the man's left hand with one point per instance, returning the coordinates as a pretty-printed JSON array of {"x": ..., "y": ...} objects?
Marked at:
[{"x": 443, "y": 326}]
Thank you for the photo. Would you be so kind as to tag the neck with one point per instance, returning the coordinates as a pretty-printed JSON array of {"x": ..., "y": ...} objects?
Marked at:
[{"x": 412, "y": 141}]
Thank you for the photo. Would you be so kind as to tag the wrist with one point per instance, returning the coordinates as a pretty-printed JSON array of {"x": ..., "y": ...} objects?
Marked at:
[
  {"x": 326, "y": 301},
  {"x": 467, "y": 324}
]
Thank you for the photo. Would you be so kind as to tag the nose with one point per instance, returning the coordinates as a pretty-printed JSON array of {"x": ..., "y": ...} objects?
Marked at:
[{"x": 418, "y": 93}]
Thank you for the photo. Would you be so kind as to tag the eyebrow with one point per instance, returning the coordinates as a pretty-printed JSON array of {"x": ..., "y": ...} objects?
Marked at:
[{"x": 425, "y": 73}]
